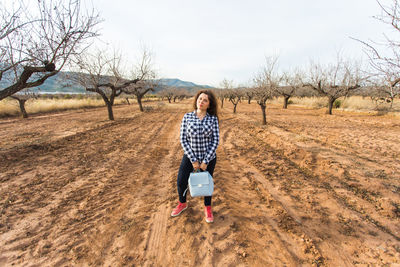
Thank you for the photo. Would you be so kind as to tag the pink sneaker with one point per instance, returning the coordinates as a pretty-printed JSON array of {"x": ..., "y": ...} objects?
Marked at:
[
  {"x": 209, "y": 215},
  {"x": 178, "y": 210}
]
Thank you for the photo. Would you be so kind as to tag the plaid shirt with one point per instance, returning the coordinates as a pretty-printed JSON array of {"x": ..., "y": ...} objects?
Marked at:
[{"x": 199, "y": 138}]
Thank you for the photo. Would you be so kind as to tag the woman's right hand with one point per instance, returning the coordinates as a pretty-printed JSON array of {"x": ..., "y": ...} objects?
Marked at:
[{"x": 196, "y": 166}]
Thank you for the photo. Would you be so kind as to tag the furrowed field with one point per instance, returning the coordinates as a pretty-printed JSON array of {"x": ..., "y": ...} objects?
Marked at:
[{"x": 306, "y": 189}]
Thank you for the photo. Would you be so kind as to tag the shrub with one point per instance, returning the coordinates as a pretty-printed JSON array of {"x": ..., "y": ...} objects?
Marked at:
[
  {"x": 148, "y": 109},
  {"x": 337, "y": 103}
]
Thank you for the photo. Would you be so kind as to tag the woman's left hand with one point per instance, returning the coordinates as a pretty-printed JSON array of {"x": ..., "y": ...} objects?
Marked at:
[{"x": 203, "y": 166}]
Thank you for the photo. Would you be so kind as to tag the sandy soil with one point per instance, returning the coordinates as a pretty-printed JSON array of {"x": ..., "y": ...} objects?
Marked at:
[{"x": 307, "y": 189}]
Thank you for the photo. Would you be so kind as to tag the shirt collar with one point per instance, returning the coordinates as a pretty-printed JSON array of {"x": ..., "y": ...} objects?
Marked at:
[{"x": 207, "y": 114}]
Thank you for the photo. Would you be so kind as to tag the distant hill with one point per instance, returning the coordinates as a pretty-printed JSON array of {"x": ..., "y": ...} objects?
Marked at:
[
  {"x": 59, "y": 84},
  {"x": 180, "y": 83}
]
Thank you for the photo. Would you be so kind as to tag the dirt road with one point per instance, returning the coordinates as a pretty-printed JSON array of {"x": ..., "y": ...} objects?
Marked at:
[{"x": 307, "y": 189}]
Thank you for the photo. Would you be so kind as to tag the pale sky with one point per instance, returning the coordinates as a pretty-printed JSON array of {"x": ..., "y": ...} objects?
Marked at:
[{"x": 206, "y": 41}]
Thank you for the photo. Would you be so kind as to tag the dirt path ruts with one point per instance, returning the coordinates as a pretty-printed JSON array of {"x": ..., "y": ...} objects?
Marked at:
[
  {"x": 97, "y": 189},
  {"x": 343, "y": 215},
  {"x": 100, "y": 193}
]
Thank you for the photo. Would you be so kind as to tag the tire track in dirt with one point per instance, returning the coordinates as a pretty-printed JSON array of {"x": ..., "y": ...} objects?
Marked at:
[
  {"x": 133, "y": 215},
  {"x": 292, "y": 186},
  {"x": 78, "y": 121},
  {"x": 103, "y": 197},
  {"x": 104, "y": 194},
  {"x": 179, "y": 242},
  {"x": 53, "y": 221},
  {"x": 277, "y": 223},
  {"x": 240, "y": 235},
  {"x": 155, "y": 253},
  {"x": 327, "y": 161},
  {"x": 364, "y": 197},
  {"x": 362, "y": 150},
  {"x": 171, "y": 241},
  {"x": 42, "y": 183},
  {"x": 360, "y": 199},
  {"x": 358, "y": 154}
]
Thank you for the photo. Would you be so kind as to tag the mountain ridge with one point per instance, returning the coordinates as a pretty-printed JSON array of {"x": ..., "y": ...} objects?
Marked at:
[{"x": 59, "y": 84}]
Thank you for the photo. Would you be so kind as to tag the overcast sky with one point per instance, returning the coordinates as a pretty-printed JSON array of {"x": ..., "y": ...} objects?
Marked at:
[{"x": 207, "y": 41}]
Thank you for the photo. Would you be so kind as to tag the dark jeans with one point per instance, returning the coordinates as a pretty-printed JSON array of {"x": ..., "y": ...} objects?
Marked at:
[{"x": 183, "y": 177}]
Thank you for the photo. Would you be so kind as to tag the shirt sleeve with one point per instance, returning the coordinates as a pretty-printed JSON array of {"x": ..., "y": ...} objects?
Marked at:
[
  {"x": 184, "y": 141},
  {"x": 214, "y": 142}
]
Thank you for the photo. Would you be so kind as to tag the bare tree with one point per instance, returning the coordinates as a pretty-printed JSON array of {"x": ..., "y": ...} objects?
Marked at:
[
  {"x": 249, "y": 93},
  {"x": 127, "y": 99},
  {"x": 102, "y": 74},
  {"x": 391, "y": 89},
  {"x": 334, "y": 80},
  {"x": 384, "y": 57},
  {"x": 139, "y": 89},
  {"x": 22, "y": 98},
  {"x": 262, "y": 94},
  {"x": 266, "y": 82},
  {"x": 229, "y": 92},
  {"x": 291, "y": 83},
  {"x": 168, "y": 92},
  {"x": 182, "y": 94},
  {"x": 221, "y": 94},
  {"x": 146, "y": 78},
  {"x": 386, "y": 90},
  {"x": 10, "y": 23},
  {"x": 234, "y": 96},
  {"x": 174, "y": 93},
  {"x": 177, "y": 94},
  {"x": 36, "y": 47}
]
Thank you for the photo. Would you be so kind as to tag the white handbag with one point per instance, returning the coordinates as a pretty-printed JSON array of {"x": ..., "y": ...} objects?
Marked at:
[{"x": 201, "y": 184}]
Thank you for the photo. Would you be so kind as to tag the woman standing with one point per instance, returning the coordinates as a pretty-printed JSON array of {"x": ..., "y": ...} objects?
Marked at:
[{"x": 199, "y": 139}]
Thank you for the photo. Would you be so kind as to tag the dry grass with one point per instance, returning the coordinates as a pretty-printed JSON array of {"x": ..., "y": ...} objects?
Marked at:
[
  {"x": 9, "y": 107},
  {"x": 365, "y": 103},
  {"x": 353, "y": 103}
]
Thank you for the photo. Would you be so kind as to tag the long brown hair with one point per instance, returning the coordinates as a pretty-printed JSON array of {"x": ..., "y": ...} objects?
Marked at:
[{"x": 213, "y": 107}]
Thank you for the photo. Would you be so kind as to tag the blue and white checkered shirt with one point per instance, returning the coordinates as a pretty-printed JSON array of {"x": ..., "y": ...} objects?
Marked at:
[{"x": 199, "y": 138}]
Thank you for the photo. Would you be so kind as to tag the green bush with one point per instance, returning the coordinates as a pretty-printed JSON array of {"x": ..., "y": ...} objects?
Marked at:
[{"x": 337, "y": 103}]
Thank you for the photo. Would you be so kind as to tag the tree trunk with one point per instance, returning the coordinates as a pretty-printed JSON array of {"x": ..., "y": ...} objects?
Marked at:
[
  {"x": 112, "y": 97},
  {"x": 222, "y": 103},
  {"x": 127, "y": 100},
  {"x": 285, "y": 101},
  {"x": 22, "y": 107},
  {"x": 139, "y": 100},
  {"x": 109, "y": 107},
  {"x": 110, "y": 111},
  {"x": 234, "y": 108},
  {"x": 331, "y": 100},
  {"x": 264, "y": 114},
  {"x": 249, "y": 101}
]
